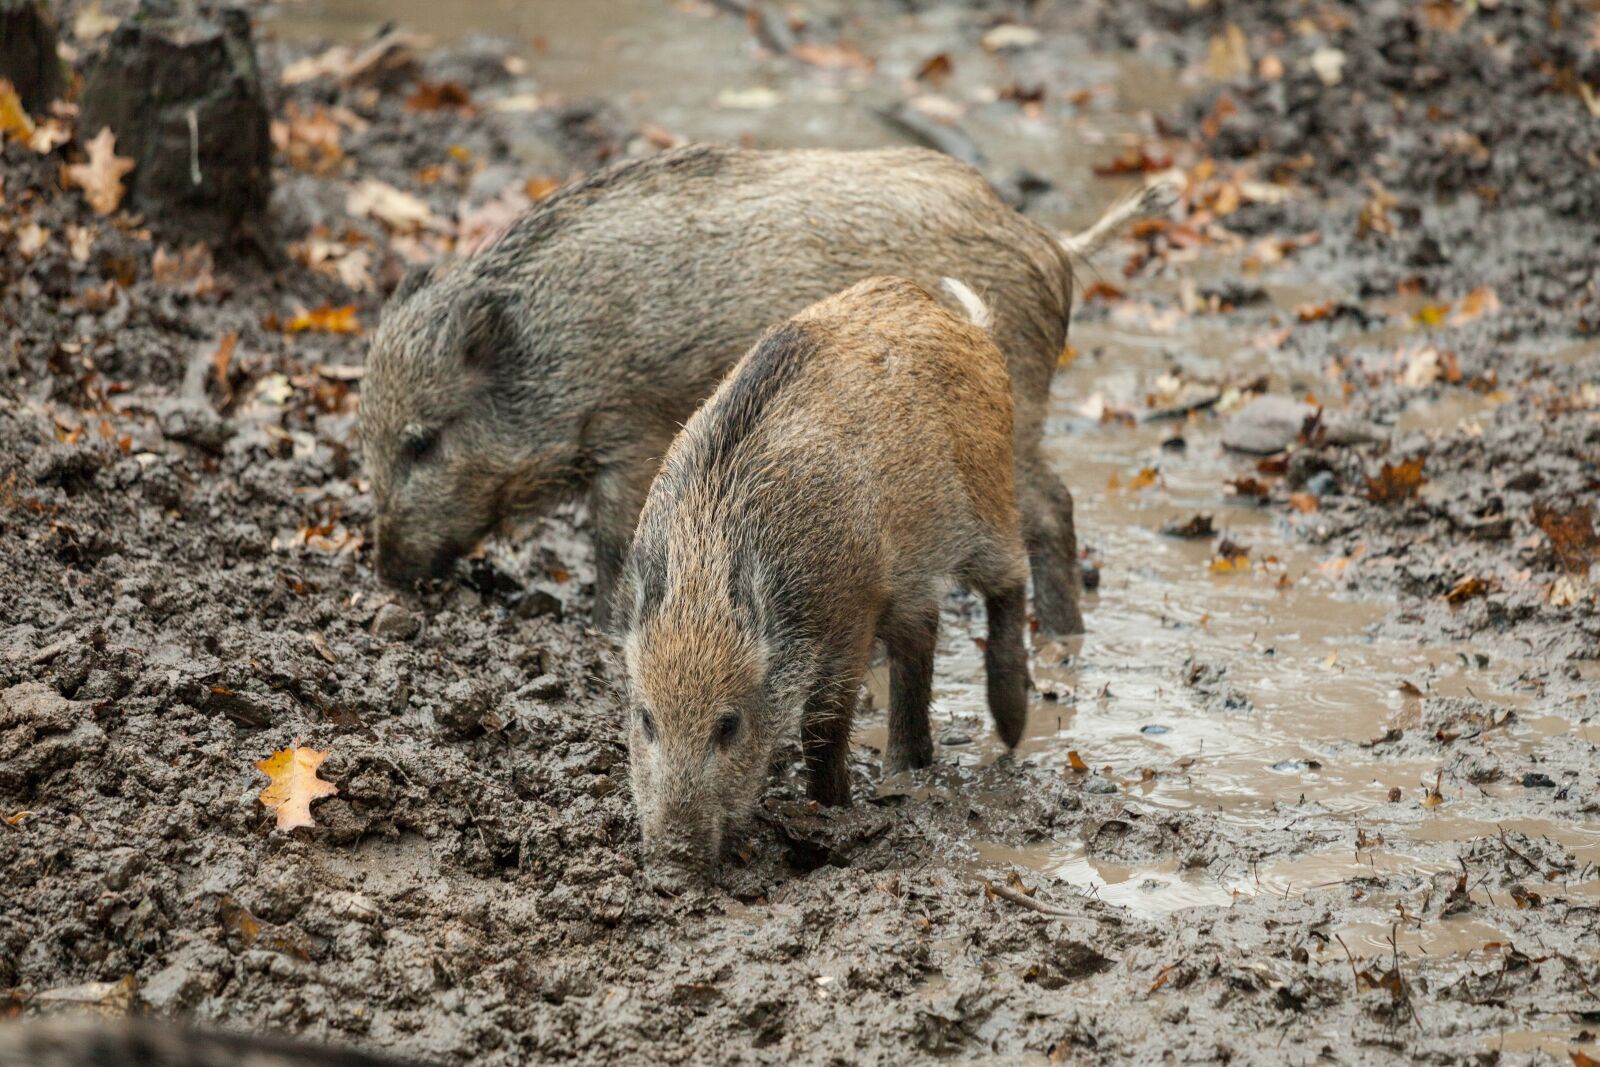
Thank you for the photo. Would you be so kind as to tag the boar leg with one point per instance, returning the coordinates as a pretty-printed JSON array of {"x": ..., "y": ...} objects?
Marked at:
[
  {"x": 1052, "y": 542},
  {"x": 615, "y": 499},
  {"x": 1006, "y": 662},
  {"x": 911, "y": 647},
  {"x": 825, "y": 738}
]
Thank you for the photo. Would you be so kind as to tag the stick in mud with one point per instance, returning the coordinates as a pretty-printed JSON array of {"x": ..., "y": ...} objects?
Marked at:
[{"x": 1005, "y": 892}]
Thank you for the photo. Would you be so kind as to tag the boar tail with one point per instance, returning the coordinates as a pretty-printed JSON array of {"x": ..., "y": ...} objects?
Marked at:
[
  {"x": 1154, "y": 197},
  {"x": 977, "y": 311}
]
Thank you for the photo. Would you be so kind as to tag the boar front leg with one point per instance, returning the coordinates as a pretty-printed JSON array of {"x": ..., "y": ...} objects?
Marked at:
[
  {"x": 615, "y": 499},
  {"x": 911, "y": 645},
  {"x": 1047, "y": 528},
  {"x": 825, "y": 739}
]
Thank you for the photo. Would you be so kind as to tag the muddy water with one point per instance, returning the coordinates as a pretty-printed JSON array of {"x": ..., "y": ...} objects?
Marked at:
[{"x": 1246, "y": 693}]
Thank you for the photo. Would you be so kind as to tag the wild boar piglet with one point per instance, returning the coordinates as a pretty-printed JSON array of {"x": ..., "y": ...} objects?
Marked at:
[{"x": 852, "y": 466}]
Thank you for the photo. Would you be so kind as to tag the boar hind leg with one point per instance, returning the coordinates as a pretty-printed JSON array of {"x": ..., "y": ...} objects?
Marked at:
[
  {"x": 1052, "y": 542},
  {"x": 825, "y": 738},
  {"x": 1005, "y": 662},
  {"x": 911, "y": 646}
]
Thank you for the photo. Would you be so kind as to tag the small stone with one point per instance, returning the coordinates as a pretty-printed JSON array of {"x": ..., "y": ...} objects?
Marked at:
[
  {"x": 462, "y": 710},
  {"x": 1155, "y": 728},
  {"x": 955, "y": 739},
  {"x": 536, "y": 603},
  {"x": 193, "y": 422},
  {"x": 1097, "y": 784},
  {"x": 1270, "y": 424},
  {"x": 1266, "y": 425},
  {"x": 1535, "y": 780},
  {"x": 395, "y": 623},
  {"x": 1322, "y": 484},
  {"x": 544, "y": 687}
]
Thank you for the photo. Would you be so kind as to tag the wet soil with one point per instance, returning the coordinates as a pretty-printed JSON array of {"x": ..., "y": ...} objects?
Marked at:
[{"x": 1319, "y": 784}]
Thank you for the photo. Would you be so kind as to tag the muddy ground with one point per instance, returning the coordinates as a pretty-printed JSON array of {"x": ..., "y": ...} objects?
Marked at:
[{"x": 1317, "y": 787}]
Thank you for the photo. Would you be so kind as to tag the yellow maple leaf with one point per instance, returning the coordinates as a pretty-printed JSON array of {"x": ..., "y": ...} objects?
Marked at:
[
  {"x": 101, "y": 177},
  {"x": 14, "y": 120},
  {"x": 294, "y": 785}
]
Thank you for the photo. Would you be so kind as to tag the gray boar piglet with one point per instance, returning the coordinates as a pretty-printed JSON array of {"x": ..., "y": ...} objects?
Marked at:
[
  {"x": 560, "y": 361},
  {"x": 854, "y": 464}
]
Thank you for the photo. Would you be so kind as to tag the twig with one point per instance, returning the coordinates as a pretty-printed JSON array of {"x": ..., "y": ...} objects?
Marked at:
[
  {"x": 51, "y": 651},
  {"x": 1507, "y": 846},
  {"x": 1354, "y": 974},
  {"x": 1005, "y": 892}
]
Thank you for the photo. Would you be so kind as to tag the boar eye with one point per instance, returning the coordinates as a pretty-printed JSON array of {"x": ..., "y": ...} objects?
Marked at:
[
  {"x": 647, "y": 723},
  {"x": 420, "y": 444},
  {"x": 727, "y": 730}
]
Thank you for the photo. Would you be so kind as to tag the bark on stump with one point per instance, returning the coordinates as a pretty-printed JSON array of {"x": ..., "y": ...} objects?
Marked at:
[
  {"x": 28, "y": 58},
  {"x": 183, "y": 95}
]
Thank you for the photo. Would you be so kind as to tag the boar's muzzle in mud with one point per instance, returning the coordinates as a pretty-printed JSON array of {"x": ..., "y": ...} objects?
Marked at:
[{"x": 450, "y": 454}]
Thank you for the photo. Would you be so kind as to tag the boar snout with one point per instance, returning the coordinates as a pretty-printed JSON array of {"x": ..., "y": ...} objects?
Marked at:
[
  {"x": 682, "y": 842},
  {"x": 402, "y": 564}
]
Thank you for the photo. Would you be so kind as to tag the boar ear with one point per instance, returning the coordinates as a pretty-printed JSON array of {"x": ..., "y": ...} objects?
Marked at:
[{"x": 486, "y": 321}]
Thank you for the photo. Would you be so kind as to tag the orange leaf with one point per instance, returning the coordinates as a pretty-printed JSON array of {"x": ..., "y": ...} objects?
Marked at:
[
  {"x": 1144, "y": 479},
  {"x": 1075, "y": 761},
  {"x": 221, "y": 358},
  {"x": 1303, "y": 502},
  {"x": 1465, "y": 589},
  {"x": 1315, "y": 312},
  {"x": 1572, "y": 536},
  {"x": 294, "y": 785},
  {"x": 1397, "y": 482},
  {"x": 1476, "y": 304},
  {"x": 436, "y": 96},
  {"x": 14, "y": 120},
  {"x": 101, "y": 177},
  {"x": 325, "y": 319}
]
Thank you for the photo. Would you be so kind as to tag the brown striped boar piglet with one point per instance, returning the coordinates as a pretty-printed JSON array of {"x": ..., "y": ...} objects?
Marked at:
[
  {"x": 850, "y": 468},
  {"x": 560, "y": 361}
]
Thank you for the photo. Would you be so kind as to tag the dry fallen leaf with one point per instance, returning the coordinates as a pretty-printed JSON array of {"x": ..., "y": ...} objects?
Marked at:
[
  {"x": 1465, "y": 588},
  {"x": 1397, "y": 482},
  {"x": 101, "y": 177},
  {"x": 91, "y": 22},
  {"x": 1476, "y": 304},
  {"x": 310, "y": 139},
  {"x": 838, "y": 56},
  {"x": 1434, "y": 798},
  {"x": 325, "y": 319},
  {"x": 294, "y": 785},
  {"x": 437, "y": 96},
  {"x": 1228, "y": 54},
  {"x": 1075, "y": 761},
  {"x": 1572, "y": 536},
  {"x": 14, "y": 120},
  {"x": 400, "y": 211}
]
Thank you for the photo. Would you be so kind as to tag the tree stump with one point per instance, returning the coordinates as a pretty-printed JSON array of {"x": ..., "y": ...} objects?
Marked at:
[
  {"x": 182, "y": 93},
  {"x": 28, "y": 58}
]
